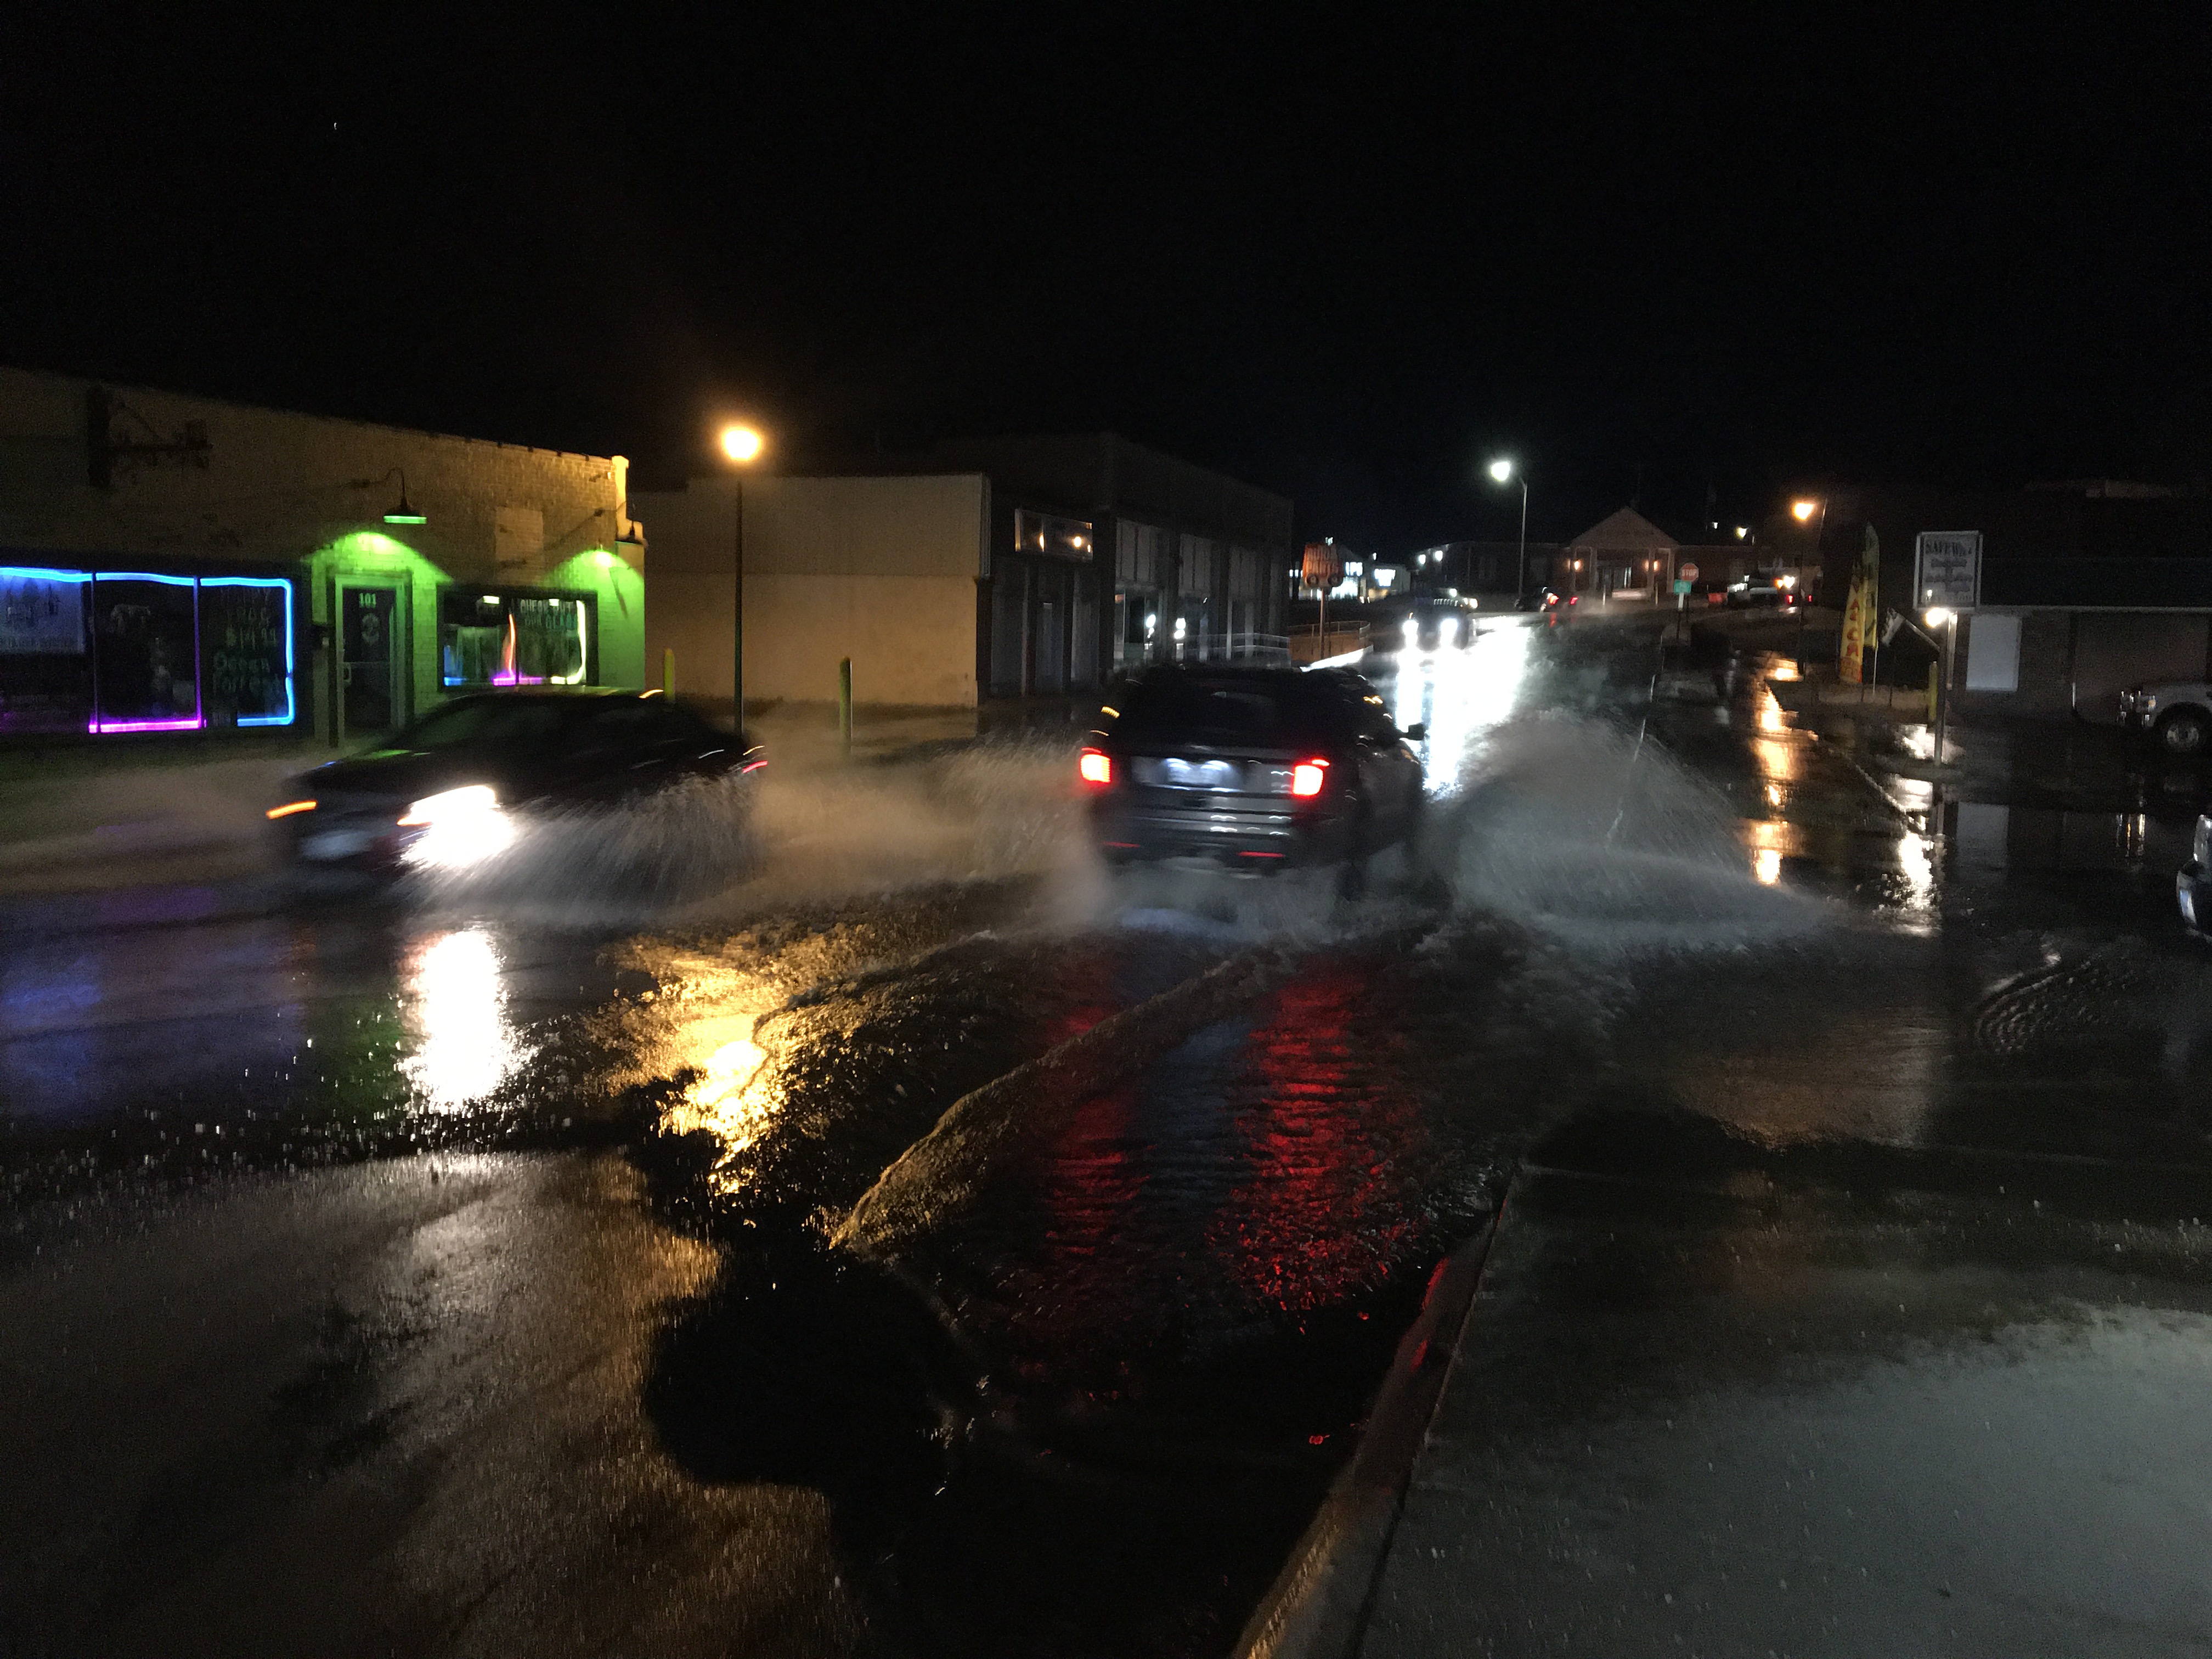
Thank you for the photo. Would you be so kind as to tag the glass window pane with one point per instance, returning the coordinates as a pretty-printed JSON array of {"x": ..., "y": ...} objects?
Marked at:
[
  {"x": 45, "y": 657},
  {"x": 146, "y": 653},
  {"x": 245, "y": 650}
]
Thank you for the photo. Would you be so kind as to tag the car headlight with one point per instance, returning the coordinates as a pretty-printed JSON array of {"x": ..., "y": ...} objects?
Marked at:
[
  {"x": 450, "y": 805},
  {"x": 460, "y": 826}
]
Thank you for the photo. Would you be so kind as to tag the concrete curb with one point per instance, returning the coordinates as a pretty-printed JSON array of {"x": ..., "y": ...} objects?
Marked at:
[{"x": 1317, "y": 1608}]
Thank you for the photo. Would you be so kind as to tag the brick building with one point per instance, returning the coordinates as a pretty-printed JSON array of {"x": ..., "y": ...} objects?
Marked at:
[{"x": 177, "y": 565}]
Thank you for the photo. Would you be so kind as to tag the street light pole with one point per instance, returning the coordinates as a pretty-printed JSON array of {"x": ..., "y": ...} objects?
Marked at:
[
  {"x": 741, "y": 446},
  {"x": 1503, "y": 471}
]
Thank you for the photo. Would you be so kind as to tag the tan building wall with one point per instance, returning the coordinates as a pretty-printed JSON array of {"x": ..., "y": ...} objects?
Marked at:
[
  {"x": 249, "y": 487},
  {"x": 880, "y": 570}
]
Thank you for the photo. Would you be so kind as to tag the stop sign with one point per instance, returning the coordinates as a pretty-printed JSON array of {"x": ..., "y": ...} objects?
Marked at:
[{"x": 1687, "y": 573}]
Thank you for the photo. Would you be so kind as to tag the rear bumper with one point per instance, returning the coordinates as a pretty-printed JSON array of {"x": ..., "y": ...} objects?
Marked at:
[{"x": 1127, "y": 834}]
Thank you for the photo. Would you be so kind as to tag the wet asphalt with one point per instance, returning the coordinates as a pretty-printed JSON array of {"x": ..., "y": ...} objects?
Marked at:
[{"x": 523, "y": 1267}]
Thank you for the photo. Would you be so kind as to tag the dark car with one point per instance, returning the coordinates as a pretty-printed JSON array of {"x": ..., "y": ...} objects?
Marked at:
[
  {"x": 1434, "y": 627},
  {"x": 1548, "y": 599},
  {"x": 440, "y": 791},
  {"x": 1258, "y": 767},
  {"x": 1761, "y": 596}
]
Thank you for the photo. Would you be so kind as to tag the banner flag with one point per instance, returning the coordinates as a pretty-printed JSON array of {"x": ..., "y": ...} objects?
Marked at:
[{"x": 1855, "y": 632}]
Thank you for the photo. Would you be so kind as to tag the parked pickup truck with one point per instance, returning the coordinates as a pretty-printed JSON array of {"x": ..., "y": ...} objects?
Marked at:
[
  {"x": 2192, "y": 887},
  {"x": 2176, "y": 712}
]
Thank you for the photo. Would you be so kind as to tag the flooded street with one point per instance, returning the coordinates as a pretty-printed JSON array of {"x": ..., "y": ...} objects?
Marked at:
[{"x": 900, "y": 1235}]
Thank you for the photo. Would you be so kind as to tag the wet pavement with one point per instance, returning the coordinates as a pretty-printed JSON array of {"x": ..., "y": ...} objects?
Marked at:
[{"x": 913, "y": 1240}]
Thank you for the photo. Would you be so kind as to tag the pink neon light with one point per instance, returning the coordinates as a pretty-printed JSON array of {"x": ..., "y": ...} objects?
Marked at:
[{"x": 191, "y": 723}]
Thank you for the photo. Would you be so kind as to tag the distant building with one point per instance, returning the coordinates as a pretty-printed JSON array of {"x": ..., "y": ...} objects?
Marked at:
[
  {"x": 990, "y": 568},
  {"x": 181, "y": 568},
  {"x": 1623, "y": 556},
  {"x": 1492, "y": 571},
  {"x": 2085, "y": 588}
]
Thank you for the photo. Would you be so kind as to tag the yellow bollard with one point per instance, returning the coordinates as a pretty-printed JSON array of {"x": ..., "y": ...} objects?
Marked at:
[
  {"x": 668, "y": 672},
  {"x": 1933, "y": 687},
  {"x": 845, "y": 703}
]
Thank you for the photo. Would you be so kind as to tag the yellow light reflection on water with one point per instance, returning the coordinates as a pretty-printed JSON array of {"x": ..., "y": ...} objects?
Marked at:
[
  {"x": 732, "y": 1098},
  {"x": 456, "y": 1009}
]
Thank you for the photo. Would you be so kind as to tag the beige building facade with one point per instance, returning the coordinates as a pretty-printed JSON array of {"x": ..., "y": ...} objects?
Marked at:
[{"x": 173, "y": 566}]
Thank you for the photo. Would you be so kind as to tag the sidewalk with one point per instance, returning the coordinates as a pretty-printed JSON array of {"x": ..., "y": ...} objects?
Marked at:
[
  {"x": 83, "y": 819},
  {"x": 1712, "y": 1398}
]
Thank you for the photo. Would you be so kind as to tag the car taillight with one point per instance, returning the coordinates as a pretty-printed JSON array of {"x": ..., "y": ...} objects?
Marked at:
[
  {"x": 1575, "y": 598},
  {"x": 1095, "y": 767},
  {"x": 1306, "y": 778}
]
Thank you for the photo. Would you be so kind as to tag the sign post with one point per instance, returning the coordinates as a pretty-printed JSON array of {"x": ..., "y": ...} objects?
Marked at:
[
  {"x": 1323, "y": 567},
  {"x": 1685, "y": 573},
  {"x": 1946, "y": 577}
]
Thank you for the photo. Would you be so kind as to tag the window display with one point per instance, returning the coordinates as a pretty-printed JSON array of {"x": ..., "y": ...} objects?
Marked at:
[{"x": 513, "y": 638}]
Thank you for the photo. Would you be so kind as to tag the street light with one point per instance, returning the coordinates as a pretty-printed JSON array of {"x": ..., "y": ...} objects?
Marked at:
[
  {"x": 741, "y": 447},
  {"x": 1802, "y": 510},
  {"x": 1501, "y": 469}
]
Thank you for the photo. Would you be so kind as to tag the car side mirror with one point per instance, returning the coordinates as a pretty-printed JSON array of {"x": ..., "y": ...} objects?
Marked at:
[{"x": 1418, "y": 731}]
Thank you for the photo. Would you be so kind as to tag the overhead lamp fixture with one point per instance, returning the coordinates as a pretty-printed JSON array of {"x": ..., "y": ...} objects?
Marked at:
[{"x": 405, "y": 513}]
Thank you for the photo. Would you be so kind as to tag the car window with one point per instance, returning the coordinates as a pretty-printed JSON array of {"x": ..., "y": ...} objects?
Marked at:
[
  {"x": 1222, "y": 712},
  {"x": 641, "y": 724},
  {"x": 485, "y": 721}
]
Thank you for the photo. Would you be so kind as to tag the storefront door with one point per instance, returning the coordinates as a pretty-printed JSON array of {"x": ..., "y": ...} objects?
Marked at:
[{"x": 372, "y": 661}]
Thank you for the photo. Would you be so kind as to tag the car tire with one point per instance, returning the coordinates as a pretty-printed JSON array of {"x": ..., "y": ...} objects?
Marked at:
[{"x": 2182, "y": 732}]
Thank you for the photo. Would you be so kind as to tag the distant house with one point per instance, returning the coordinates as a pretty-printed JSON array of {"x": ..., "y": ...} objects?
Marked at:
[{"x": 1623, "y": 556}]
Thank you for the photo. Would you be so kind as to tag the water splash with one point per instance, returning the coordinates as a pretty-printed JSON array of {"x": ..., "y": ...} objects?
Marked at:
[{"x": 1575, "y": 829}]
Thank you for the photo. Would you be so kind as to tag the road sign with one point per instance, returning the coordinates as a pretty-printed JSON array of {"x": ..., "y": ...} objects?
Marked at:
[
  {"x": 1682, "y": 583},
  {"x": 1323, "y": 566},
  {"x": 1947, "y": 569},
  {"x": 1686, "y": 571}
]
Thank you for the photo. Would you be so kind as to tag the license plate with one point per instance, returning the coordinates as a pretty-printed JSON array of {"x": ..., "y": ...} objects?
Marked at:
[
  {"x": 336, "y": 844},
  {"x": 1200, "y": 774}
]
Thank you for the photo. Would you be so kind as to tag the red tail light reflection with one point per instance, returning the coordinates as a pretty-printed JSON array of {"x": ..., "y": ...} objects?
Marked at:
[
  {"x": 1095, "y": 767},
  {"x": 1306, "y": 777}
]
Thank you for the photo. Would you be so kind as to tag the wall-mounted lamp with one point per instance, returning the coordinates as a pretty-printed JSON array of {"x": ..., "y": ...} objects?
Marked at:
[{"x": 405, "y": 513}]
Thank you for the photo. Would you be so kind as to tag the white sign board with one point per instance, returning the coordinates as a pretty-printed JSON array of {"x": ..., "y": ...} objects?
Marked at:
[{"x": 1947, "y": 569}]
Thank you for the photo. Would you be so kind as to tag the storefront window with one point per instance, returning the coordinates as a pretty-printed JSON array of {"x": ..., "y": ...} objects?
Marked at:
[
  {"x": 46, "y": 652},
  {"x": 142, "y": 651},
  {"x": 513, "y": 639}
]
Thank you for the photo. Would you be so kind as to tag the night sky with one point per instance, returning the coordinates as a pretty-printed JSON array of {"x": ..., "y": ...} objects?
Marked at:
[{"x": 1654, "y": 253}]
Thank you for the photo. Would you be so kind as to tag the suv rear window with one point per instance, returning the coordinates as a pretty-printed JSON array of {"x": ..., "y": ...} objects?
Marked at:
[{"x": 1223, "y": 712}]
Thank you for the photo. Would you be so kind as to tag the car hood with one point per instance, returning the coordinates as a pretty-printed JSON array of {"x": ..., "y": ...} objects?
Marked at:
[{"x": 411, "y": 773}]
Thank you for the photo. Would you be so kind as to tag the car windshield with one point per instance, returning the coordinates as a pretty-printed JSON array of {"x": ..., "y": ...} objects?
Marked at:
[
  {"x": 1222, "y": 713},
  {"x": 486, "y": 721}
]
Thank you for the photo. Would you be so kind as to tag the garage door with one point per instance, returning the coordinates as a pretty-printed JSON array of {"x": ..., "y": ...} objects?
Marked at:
[{"x": 2113, "y": 653}]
